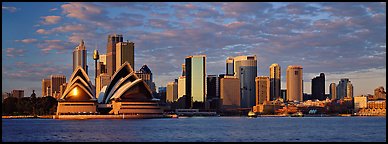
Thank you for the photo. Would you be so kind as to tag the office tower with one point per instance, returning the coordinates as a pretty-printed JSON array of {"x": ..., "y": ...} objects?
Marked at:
[
  {"x": 195, "y": 79},
  {"x": 62, "y": 88},
  {"x": 333, "y": 91},
  {"x": 80, "y": 57},
  {"x": 342, "y": 88},
  {"x": 230, "y": 92},
  {"x": 162, "y": 93},
  {"x": 146, "y": 75},
  {"x": 379, "y": 93},
  {"x": 349, "y": 90},
  {"x": 229, "y": 66},
  {"x": 318, "y": 87},
  {"x": 294, "y": 78},
  {"x": 18, "y": 93},
  {"x": 125, "y": 52},
  {"x": 45, "y": 85},
  {"x": 245, "y": 69},
  {"x": 101, "y": 65},
  {"x": 274, "y": 77},
  {"x": 172, "y": 91},
  {"x": 283, "y": 93},
  {"x": 212, "y": 87},
  {"x": 55, "y": 84},
  {"x": 183, "y": 69},
  {"x": 181, "y": 86},
  {"x": 262, "y": 89},
  {"x": 101, "y": 81},
  {"x": 111, "y": 53}
]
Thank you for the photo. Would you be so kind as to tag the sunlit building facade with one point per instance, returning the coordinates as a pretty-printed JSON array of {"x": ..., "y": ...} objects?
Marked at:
[
  {"x": 80, "y": 57},
  {"x": 125, "y": 52},
  {"x": 46, "y": 87},
  {"x": 172, "y": 91},
  {"x": 111, "y": 52},
  {"x": 262, "y": 89},
  {"x": 274, "y": 77},
  {"x": 245, "y": 69},
  {"x": 195, "y": 79},
  {"x": 55, "y": 85},
  {"x": 294, "y": 77},
  {"x": 333, "y": 91},
  {"x": 230, "y": 92}
]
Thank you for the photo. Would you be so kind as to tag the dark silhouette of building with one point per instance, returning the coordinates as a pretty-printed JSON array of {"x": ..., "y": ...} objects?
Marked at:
[
  {"x": 212, "y": 87},
  {"x": 318, "y": 87},
  {"x": 111, "y": 52}
]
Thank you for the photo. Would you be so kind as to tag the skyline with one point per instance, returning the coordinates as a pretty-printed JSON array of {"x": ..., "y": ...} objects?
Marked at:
[{"x": 319, "y": 36}]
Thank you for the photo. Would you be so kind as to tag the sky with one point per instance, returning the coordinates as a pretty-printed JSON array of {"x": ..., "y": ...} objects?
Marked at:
[{"x": 342, "y": 40}]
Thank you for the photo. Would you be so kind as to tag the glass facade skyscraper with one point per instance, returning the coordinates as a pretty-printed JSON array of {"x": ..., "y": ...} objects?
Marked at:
[
  {"x": 245, "y": 69},
  {"x": 195, "y": 79}
]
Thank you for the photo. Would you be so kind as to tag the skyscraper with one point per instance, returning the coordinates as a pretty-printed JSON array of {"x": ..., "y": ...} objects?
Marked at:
[
  {"x": 349, "y": 90},
  {"x": 182, "y": 82},
  {"x": 146, "y": 75},
  {"x": 80, "y": 57},
  {"x": 195, "y": 79},
  {"x": 318, "y": 87},
  {"x": 245, "y": 69},
  {"x": 333, "y": 91},
  {"x": 172, "y": 91},
  {"x": 212, "y": 87},
  {"x": 45, "y": 85},
  {"x": 55, "y": 84},
  {"x": 274, "y": 76},
  {"x": 342, "y": 88},
  {"x": 294, "y": 78},
  {"x": 262, "y": 89},
  {"x": 125, "y": 51},
  {"x": 230, "y": 92},
  {"x": 111, "y": 52},
  {"x": 229, "y": 66}
]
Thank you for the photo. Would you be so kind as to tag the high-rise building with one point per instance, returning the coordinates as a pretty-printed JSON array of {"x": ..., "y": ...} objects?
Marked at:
[
  {"x": 342, "y": 88},
  {"x": 181, "y": 86},
  {"x": 80, "y": 57},
  {"x": 183, "y": 70},
  {"x": 111, "y": 53},
  {"x": 18, "y": 93},
  {"x": 212, "y": 87},
  {"x": 146, "y": 75},
  {"x": 274, "y": 77},
  {"x": 349, "y": 90},
  {"x": 318, "y": 87},
  {"x": 172, "y": 91},
  {"x": 195, "y": 79},
  {"x": 229, "y": 66},
  {"x": 45, "y": 85},
  {"x": 101, "y": 81},
  {"x": 283, "y": 93},
  {"x": 245, "y": 69},
  {"x": 379, "y": 93},
  {"x": 162, "y": 94},
  {"x": 230, "y": 92},
  {"x": 62, "y": 88},
  {"x": 262, "y": 89},
  {"x": 333, "y": 91},
  {"x": 125, "y": 52},
  {"x": 55, "y": 85},
  {"x": 294, "y": 78}
]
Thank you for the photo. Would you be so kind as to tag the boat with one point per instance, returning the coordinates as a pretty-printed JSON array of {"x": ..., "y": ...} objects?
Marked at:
[
  {"x": 251, "y": 114},
  {"x": 297, "y": 114}
]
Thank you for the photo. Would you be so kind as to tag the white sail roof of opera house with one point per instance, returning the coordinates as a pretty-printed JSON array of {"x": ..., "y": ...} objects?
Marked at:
[
  {"x": 79, "y": 87},
  {"x": 125, "y": 85}
]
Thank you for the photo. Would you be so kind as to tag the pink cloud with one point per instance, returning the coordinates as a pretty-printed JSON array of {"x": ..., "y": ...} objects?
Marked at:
[
  {"x": 10, "y": 9},
  {"x": 80, "y": 10},
  {"x": 48, "y": 20},
  {"x": 12, "y": 52},
  {"x": 31, "y": 40},
  {"x": 64, "y": 28}
]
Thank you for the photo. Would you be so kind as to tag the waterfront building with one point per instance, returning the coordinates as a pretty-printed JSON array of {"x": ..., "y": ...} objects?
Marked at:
[
  {"x": 18, "y": 93},
  {"x": 262, "y": 89},
  {"x": 342, "y": 88},
  {"x": 128, "y": 94},
  {"x": 195, "y": 79},
  {"x": 349, "y": 90},
  {"x": 111, "y": 52},
  {"x": 275, "y": 84},
  {"x": 183, "y": 69},
  {"x": 172, "y": 91},
  {"x": 229, "y": 66},
  {"x": 318, "y": 87},
  {"x": 101, "y": 81},
  {"x": 62, "y": 88},
  {"x": 55, "y": 85},
  {"x": 294, "y": 78},
  {"x": 46, "y": 87},
  {"x": 212, "y": 87},
  {"x": 245, "y": 69},
  {"x": 181, "y": 86},
  {"x": 379, "y": 93},
  {"x": 333, "y": 91},
  {"x": 230, "y": 92},
  {"x": 79, "y": 96},
  {"x": 125, "y": 52},
  {"x": 80, "y": 57},
  {"x": 360, "y": 102}
]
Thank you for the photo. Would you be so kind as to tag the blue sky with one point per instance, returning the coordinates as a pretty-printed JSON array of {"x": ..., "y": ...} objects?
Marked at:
[{"x": 343, "y": 40}]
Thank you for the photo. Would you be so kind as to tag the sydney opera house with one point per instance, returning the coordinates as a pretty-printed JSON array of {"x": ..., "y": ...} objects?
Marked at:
[{"x": 125, "y": 94}]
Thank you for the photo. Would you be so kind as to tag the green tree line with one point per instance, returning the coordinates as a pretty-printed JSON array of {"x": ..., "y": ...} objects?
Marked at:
[{"x": 29, "y": 106}]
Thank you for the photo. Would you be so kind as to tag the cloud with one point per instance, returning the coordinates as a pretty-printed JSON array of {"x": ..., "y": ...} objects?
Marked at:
[
  {"x": 31, "y": 40},
  {"x": 81, "y": 10},
  {"x": 14, "y": 52},
  {"x": 10, "y": 9},
  {"x": 48, "y": 20},
  {"x": 53, "y": 9},
  {"x": 63, "y": 29},
  {"x": 46, "y": 46}
]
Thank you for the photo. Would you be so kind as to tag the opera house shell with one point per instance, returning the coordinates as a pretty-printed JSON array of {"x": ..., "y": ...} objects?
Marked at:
[
  {"x": 128, "y": 94},
  {"x": 79, "y": 95}
]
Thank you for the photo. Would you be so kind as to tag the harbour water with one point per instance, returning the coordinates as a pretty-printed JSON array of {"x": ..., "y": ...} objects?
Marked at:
[{"x": 198, "y": 129}]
